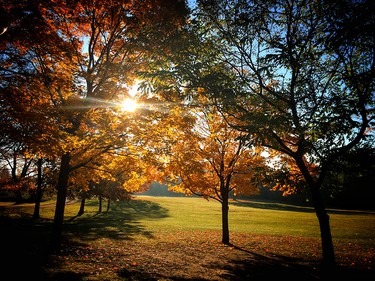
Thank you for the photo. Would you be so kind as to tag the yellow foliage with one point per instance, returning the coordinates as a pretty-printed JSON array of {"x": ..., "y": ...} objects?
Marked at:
[{"x": 211, "y": 158}]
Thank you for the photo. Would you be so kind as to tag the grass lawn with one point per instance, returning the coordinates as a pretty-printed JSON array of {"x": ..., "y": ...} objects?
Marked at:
[{"x": 178, "y": 238}]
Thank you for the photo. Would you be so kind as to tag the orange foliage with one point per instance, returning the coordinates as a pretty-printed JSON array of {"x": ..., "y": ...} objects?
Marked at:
[
  {"x": 287, "y": 175},
  {"x": 211, "y": 159}
]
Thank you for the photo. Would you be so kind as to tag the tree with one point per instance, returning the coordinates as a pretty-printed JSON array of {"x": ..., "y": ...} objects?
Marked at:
[
  {"x": 296, "y": 75},
  {"x": 212, "y": 160},
  {"x": 115, "y": 177},
  {"x": 349, "y": 184},
  {"x": 18, "y": 162},
  {"x": 79, "y": 58}
]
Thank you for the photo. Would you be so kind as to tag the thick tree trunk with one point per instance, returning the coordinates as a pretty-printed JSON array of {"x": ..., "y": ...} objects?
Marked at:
[
  {"x": 224, "y": 220},
  {"x": 328, "y": 255},
  {"x": 38, "y": 195},
  {"x": 62, "y": 189}
]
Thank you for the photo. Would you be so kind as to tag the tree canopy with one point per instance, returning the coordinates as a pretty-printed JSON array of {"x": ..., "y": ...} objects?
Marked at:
[
  {"x": 211, "y": 159},
  {"x": 295, "y": 78},
  {"x": 66, "y": 66},
  {"x": 293, "y": 75}
]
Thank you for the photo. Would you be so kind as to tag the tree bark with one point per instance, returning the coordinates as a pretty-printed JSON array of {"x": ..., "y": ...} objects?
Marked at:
[
  {"x": 100, "y": 204},
  {"x": 224, "y": 219},
  {"x": 62, "y": 189},
  {"x": 328, "y": 255},
  {"x": 38, "y": 195},
  {"x": 82, "y": 207},
  {"x": 108, "y": 204}
]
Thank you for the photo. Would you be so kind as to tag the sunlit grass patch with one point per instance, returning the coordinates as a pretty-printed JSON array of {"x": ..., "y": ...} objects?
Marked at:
[{"x": 162, "y": 236}]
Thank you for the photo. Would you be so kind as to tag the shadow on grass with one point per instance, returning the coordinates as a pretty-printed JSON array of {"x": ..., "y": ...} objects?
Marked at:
[
  {"x": 24, "y": 242},
  {"x": 24, "y": 247},
  {"x": 284, "y": 268},
  {"x": 291, "y": 207},
  {"x": 259, "y": 268},
  {"x": 271, "y": 205},
  {"x": 272, "y": 267},
  {"x": 120, "y": 222},
  {"x": 139, "y": 275}
]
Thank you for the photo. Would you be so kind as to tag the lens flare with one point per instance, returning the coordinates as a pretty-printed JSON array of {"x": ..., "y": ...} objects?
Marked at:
[{"x": 129, "y": 105}]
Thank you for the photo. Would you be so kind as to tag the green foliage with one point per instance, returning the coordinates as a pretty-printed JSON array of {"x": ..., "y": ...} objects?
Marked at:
[{"x": 298, "y": 81}]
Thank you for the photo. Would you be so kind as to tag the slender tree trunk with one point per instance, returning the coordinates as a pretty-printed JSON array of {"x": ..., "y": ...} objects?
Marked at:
[
  {"x": 328, "y": 254},
  {"x": 224, "y": 219},
  {"x": 38, "y": 196},
  {"x": 62, "y": 189},
  {"x": 100, "y": 204},
  {"x": 108, "y": 204},
  {"x": 82, "y": 207}
]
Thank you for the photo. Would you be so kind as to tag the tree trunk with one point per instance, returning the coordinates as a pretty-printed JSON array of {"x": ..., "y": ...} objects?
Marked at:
[
  {"x": 328, "y": 255},
  {"x": 224, "y": 219},
  {"x": 100, "y": 204},
  {"x": 38, "y": 195},
  {"x": 62, "y": 189},
  {"x": 82, "y": 207},
  {"x": 108, "y": 204}
]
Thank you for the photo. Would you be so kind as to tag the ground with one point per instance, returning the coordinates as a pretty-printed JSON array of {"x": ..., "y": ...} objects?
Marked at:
[
  {"x": 192, "y": 256},
  {"x": 94, "y": 250}
]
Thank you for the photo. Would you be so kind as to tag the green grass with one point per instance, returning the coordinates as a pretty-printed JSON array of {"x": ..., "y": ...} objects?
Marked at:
[
  {"x": 259, "y": 218},
  {"x": 155, "y": 214},
  {"x": 180, "y": 223}
]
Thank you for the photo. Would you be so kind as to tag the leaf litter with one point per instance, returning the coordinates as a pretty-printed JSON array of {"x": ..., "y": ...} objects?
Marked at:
[{"x": 199, "y": 255}]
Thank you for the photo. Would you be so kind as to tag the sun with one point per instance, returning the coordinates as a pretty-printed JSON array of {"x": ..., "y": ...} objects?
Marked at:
[{"x": 129, "y": 105}]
